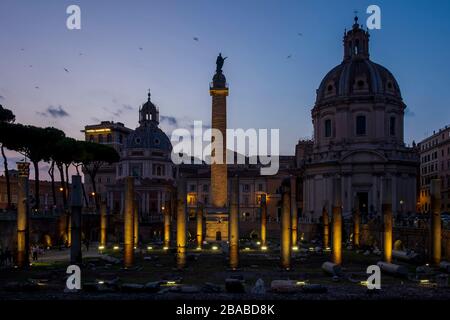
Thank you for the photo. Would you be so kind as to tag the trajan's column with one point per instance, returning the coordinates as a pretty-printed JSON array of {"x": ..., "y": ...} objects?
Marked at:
[{"x": 217, "y": 218}]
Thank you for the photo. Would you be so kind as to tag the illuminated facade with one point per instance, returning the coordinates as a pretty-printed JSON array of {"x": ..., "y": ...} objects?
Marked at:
[{"x": 435, "y": 164}]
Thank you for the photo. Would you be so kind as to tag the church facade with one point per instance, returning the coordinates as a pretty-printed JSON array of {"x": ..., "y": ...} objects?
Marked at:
[{"x": 358, "y": 121}]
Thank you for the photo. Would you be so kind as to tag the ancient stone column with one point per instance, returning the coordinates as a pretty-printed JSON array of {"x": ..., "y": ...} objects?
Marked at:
[
  {"x": 286, "y": 235},
  {"x": 136, "y": 224},
  {"x": 200, "y": 226},
  {"x": 181, "y": 224},
  {"x": 234, "y": 224},
  {"x": 76, "y": 203},
  {"x": 294, "y": 216},
  {"x": 23, "y": 211},
  {"x": 103, "y": 224},
  {"x": 167, "y": 217},
  {"x": 356, "y": 224},
  {"x": 386, "y": 208},
  {"x": 128, "y": 223},
  {"x": 263, "y": 207},
  {"x": 326, "y": 228},
  {"x": 435, "y": 206},
  {"x": 219, "y": 92},
  {"x": 337, "y": 222}
]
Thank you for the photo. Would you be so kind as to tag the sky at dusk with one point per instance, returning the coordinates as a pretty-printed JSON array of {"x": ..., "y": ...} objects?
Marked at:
[{"x": 126, "y": 47}]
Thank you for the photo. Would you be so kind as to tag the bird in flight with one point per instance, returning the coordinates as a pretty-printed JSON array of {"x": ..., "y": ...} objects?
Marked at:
[
  {"x": 66, "y": 70},
  {"x": 289, "y": 56},
  {"x": 140, "y": 48},
  {"x": 195, "y": 39},
  {"x": 300, "y": 34},
  {"x": 36, "y": 87}
]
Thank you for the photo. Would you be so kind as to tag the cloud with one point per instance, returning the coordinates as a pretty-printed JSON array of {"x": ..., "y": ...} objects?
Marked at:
[
  {"x": 2, "y": 97},
  {"x": 54, "y": 112},
  {"x": 119, "y": 111},
  {"x": 170, "y": 120}
]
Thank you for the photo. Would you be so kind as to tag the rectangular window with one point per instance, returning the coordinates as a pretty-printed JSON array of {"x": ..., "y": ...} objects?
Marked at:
[
  {"x": 205, "y": 188},
  {"x": 392, "y": 126},
  {"x": 361, "y": 125},
  {"x": 327, "y": 128}
]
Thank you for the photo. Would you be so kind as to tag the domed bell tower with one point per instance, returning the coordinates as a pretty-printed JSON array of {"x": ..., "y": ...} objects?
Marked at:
[
  {"x": 148, "y": 113},
  {"x": 356, "y": 42}
]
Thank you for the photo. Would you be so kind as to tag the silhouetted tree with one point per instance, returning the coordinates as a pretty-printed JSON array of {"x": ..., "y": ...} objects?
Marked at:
[
  {"x": 6, "y": 116},
  {"x": 96, "y": 156}
]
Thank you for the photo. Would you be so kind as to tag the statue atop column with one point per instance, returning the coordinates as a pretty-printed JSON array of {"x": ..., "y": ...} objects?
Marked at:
[{"x": 219, "y": 63}]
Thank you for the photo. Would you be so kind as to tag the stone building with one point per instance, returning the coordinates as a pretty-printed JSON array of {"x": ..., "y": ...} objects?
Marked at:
[
  {"x": 435, "y": 164},
  {"x": 358, "y": 136},
  {"x": 45, "y": 193},
  {"x": 110, "y": 133}
]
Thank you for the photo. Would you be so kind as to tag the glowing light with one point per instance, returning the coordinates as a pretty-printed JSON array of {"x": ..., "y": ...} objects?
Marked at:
[
  {"x": 101, "y": 282},
  {"x": 258, "y": 243},
  {"x": 215, "y": 248},
  {"x": 101, "y": 248},
  {"x": 98, "y": 130},
  {"x": 247, "y": 249},
  {"x": 93, "y": 194},
  {"x": 363, "y": 283},
  {"x": 116, "y": 247},
  {"x": 61, "y": 189},
  {"x": 134, "y": 248},
  {"x": 149, "y": 248},
  {"x": 301, "y": 283},
  {"x": 165, "y": 248},
  {"x": 424, "y": 281},
  {"x": 263, "y": 248},
  {"x": 311, "y": 249},
  {"x": 198, "y": 248},
  {"x": 295, "y": 248},
  {"x": 171, "y": 283}
]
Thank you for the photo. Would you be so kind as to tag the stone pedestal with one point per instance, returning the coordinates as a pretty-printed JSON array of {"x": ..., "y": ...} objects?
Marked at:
[{"x": 216, "y": 225}]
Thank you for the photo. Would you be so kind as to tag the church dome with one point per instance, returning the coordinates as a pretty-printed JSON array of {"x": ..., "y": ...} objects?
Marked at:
[
  {"x": 357, "y": 76},
  {"x": 149, "y": 137}
]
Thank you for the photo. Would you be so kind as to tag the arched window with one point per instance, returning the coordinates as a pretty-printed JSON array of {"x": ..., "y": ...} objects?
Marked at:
[
  {"x": 100, "y": 138},
  {"x": 327, "y": 128},
  {"x": 360, "y": 125}
]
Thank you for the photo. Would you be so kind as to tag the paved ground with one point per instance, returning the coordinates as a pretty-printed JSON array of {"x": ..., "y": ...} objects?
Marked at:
[{"x": 49, "y": 276}]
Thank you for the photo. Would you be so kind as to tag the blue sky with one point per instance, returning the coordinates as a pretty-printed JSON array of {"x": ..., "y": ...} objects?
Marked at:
[{"x": 109, "y": 75}]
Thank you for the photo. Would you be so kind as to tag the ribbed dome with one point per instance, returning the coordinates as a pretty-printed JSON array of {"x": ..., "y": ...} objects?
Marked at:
[
  {"x": 357, "y": 77},
  {"x": 149, "y": 137}
]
